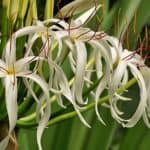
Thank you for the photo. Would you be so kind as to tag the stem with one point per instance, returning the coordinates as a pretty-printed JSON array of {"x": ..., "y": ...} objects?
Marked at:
[
  {"x": 72, "y": 114},
  {"x": 49, "y": 9}
]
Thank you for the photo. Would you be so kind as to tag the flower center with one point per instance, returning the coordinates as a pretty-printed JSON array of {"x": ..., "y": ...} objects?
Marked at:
[
  {"x": 11, "y": 70},
  {"x": 43, "y": 33}
]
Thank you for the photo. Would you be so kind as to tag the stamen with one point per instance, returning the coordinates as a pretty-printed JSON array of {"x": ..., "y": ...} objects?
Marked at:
[
  {"x": 146, "y": 37},
  {"x": 134, "y": 22},
  {"x": 118, "y": 19}
]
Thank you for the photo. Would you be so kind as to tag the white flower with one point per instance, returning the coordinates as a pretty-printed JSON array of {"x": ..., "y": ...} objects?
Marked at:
[
  {"x": 128, "y": 61},
  {"x": 10, "y": 70},
  {"x": 56, "y": 72},
  {"x": 75, "y": 36}
]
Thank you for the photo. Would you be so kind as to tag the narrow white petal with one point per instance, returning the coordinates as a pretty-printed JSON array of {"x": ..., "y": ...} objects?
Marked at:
[
  {"x": 29, "y": 30},
  {"x": 122, "y": 97},
  {"x": 118, "y": 74},
  {"x": 81, "y": 117},
  {"x": 64, "y": 85},
  {"x": 62, "y": 80},
  {"x": 87, "y": 15},
  {"x": 98, "y": 59},
  {"x": 42, "y": 124},
  {"x": 106, "y": 78},
  {"x": 11, "y": 105},
  {"x": 60, "y": 52},
  {"x": 31, "y": 40},
  {"x": 58, "y": 95},
  {"x": 10, "y": 51},
  {"x": 115, "y": 107},
  {"x": 45, "y": 116},
  {"x": 72, "y": 62},
  {"x": 29, "y": 87},
  {"x": 99, "y": 90},
  {"x": 2, "y": 64},
  {"x": 11, "y": 100},
  {"x": 24, "y": 62},
  {"x": 143, "y": 96},
  {"x": 81, "y": 61},
  {"x": 125, "y": 78}
]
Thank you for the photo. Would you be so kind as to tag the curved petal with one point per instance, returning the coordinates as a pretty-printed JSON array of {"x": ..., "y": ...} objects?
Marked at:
[
  {"x": 64, "y": 85},
  {"x": 11, "y": 100},
  {"x": 143, "y": 97},
  {"x": 11, "y": 105},
  {"x": 10, "y": 51},
  {"x": 81, "y": 59},
  {"x": 31, "y": 40},
  {"x": 87, "y": 15},
  {"x": 21, "y": 65},
  {"x": 27, "y": 84},
  {"x": 61, "y": 80},
  {"x": 29, "y": 30},
  {"x": 118, "y": 74},
  {"x": 45, "y": 116},
  {"x": 106, "y": 78},
  {"x": 98, "y": 63}
]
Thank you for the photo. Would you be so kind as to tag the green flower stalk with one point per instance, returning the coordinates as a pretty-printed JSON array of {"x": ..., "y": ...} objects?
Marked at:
[
  {"x": 32, "y": 12},
  {"x": 49, "y": 9}
]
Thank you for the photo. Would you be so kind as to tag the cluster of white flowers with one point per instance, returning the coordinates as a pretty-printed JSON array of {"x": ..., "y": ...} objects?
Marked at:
[{"x": 111, "y": 64}]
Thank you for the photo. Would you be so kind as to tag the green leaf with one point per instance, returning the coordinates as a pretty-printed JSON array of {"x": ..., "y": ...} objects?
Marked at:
[
  {"x": 100, "y": 136},
  {"x": 78, "y": 132},
  {"x": 27, "y": 139},
  {"x": 134, "y": 137}
]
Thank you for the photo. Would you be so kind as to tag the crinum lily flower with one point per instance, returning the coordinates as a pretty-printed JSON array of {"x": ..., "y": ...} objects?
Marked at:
[
  {"x": 10, "y": 70},
  {"x": 75, "y": 37},
  {"x": 126, "y": 61},
  {"x": 58, "y": 81}
]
